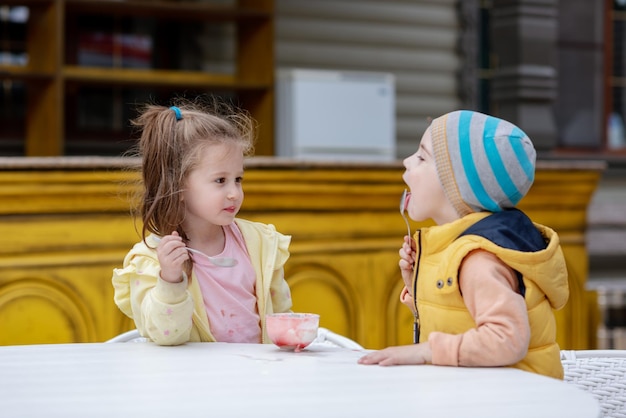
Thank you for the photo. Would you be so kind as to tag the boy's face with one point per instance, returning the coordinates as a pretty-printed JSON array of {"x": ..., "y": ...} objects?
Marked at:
[{"x": 428, "y": 200}]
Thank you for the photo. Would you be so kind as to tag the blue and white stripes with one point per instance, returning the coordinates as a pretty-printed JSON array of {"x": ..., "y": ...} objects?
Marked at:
[{"x": 484, "y": 163}]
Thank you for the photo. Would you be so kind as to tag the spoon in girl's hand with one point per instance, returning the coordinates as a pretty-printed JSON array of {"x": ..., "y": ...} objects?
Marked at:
[
  {"x": 218, "y": 261},
  {"x": 403, "y": 202}
]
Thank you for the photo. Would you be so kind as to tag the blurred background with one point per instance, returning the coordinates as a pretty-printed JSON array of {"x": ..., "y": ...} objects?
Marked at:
[{"x": 332, "y": 81}]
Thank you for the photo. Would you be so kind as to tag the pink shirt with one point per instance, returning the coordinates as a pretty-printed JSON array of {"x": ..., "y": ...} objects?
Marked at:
[{"x": 229, "y": 292}]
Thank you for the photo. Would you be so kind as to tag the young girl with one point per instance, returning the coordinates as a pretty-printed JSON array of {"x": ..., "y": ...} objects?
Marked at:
[
  {"x": 193, "y": 168},
  {"x": 482, "y": 283}
]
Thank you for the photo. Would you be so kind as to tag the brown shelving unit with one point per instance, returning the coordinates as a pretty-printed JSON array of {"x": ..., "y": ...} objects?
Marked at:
[{"x": 55, "y": 81}]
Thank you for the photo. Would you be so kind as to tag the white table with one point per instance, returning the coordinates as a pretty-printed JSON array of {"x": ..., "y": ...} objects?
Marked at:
[{"x": 249, "y": 380}]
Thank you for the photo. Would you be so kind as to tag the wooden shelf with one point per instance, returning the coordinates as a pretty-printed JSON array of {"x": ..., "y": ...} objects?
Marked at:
[
  {"x": 122, "y": 76},
  {"x": 53, "y": 78},
  {"x": 16, "y": 72},
  {"x": 178, "y": 10}
]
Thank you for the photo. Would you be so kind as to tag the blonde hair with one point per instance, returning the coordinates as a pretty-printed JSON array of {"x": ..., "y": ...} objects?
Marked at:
[{"x": 170, "y": 145}]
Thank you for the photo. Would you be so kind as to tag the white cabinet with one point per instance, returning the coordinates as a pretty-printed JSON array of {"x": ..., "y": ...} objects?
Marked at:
[{"x": 335, "y": 115}]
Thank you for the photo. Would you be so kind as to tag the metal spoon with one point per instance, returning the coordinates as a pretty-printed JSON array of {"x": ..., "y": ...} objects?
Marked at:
[
  {"x": 403, "y": 209},
  {"x": 218, "y": 261}
]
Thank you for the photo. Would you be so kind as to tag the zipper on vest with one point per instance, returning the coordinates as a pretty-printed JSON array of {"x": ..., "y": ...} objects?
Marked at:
[{"x": 416, "y": 318}]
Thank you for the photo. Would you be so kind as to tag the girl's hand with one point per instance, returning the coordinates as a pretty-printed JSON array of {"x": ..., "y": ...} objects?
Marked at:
[
  {"x": 407, "y": 261},
  {"x": 405, "y": 354},
  {"x": 172, "y": 253}
]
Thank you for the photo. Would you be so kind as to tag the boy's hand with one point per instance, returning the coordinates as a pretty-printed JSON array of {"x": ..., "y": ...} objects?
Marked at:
[
  {"x": 404, "y": 354},
  {"x": 407, "y": 261},
  {"x": 172, "y": 253}
]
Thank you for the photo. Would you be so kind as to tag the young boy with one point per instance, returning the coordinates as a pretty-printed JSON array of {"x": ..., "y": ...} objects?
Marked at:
[{"x": 483, "y": 282}]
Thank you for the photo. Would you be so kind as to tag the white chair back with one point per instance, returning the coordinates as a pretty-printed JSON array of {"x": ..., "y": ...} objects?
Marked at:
[
  {"x": 131, "y": 336},
  {"x": 327, "y": 337},
  {"x": 324, "y": 336},
  {"x": 601, "y": 373}
]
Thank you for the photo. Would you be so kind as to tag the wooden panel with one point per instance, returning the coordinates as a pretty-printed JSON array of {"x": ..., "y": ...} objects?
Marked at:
[
  {"x": 45, "y": 110},
  {"x": 255, "y": 64},
  {"x": 44, "y": 38},
  {"x": 260, "y": 104},
  {"x": 45, "y": 118},
  {"x": 65, "y": 228}
]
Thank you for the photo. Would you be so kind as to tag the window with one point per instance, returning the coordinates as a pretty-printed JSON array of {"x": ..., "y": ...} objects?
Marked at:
[
  {"x": 589, "y": 107},
  {"x": 616, "y": 77}
]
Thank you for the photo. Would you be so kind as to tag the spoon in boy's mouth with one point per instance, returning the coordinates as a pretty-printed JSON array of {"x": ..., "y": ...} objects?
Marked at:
[
  {"x": 404, "y": 200},
  {"x": 218, "y": 261}
]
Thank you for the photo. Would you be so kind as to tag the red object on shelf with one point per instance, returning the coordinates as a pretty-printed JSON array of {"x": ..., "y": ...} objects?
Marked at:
[{"x": 101, "y": 49}]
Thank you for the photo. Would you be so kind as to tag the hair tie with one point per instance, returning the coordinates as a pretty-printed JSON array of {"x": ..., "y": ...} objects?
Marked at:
[{"x": 177, "y": 111}]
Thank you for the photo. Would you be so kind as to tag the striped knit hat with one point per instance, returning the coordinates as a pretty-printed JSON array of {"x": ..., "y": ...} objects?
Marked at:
[{"x": 484, "y": 163}]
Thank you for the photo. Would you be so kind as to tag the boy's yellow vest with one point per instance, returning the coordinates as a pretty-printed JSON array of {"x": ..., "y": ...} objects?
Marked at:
[{"x": 441, "y": 306}]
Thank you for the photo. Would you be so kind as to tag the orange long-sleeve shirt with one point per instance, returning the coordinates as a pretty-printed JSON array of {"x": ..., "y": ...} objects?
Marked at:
[{"x": 490, "y": 290}]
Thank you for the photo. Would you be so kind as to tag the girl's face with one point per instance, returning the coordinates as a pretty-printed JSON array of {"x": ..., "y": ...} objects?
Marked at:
[
  {"x": 428, "y": 200},
  {"x": 213, "y": 194}
]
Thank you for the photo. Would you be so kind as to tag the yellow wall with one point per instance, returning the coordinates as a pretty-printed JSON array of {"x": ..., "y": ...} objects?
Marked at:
[{"x": 65, "y": 225}]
